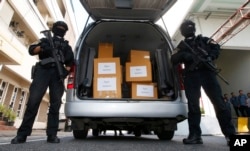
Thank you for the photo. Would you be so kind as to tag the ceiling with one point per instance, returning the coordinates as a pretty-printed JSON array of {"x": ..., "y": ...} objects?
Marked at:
[
  {"x": 218, "y": 8},
  {"x": 227, "y": 10}
]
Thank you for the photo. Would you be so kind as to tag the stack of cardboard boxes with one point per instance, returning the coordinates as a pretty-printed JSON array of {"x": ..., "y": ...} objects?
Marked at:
[
  {"x": 107, "y": 73},
  {"x": 139, "y": 74}
]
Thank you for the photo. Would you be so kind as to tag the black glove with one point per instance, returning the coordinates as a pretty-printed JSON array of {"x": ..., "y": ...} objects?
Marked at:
[
  {"x": 45, "y": 45},
  {"x": 65, "y": 73}
]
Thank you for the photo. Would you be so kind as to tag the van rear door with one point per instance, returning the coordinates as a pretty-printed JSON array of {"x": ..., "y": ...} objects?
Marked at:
[{"x": 150, "y": 10}]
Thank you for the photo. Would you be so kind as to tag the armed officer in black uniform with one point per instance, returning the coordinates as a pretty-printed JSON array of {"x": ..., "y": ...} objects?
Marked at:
[
  {"x": 197, "y": 75},
  {"x": 46, "y": 75}
]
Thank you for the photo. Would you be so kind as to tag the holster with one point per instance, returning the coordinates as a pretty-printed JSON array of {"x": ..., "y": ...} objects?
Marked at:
[{"x": 33, "y": 70}]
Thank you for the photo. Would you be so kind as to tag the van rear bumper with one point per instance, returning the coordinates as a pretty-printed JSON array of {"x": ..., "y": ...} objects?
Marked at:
[{"x": 136, "y": 109}]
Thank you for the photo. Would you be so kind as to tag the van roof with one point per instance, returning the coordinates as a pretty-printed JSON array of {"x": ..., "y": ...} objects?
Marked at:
[{"x": 150, "y": 10}]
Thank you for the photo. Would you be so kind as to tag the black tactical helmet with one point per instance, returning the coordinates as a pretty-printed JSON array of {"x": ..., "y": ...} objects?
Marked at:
[
  {"x": 188, "y": 28},
  {"x": 59, "y": 31}
]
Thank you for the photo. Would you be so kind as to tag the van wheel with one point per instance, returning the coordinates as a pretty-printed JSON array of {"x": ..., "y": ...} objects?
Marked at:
[
  {"x": 80, "y": 134},
  {"x": 137, "y": 133},
  {"x": 165, "y": 135},
  {"x": 95, "y": 132}
]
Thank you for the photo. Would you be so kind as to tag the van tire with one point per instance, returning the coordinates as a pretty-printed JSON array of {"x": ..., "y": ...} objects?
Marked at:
[
  {"x": 137, "y": 133},
  {"x": 80, "y": 134},
  {"x": 95, "y": 132},
  {"x": 165, "y": 135}
]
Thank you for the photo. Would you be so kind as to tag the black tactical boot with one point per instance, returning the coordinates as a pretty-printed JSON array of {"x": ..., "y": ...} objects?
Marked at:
[
  {"x": 53, "y": 139},
  {"x": 18, "y": 139},
  {"x": 193, "y": 139}
]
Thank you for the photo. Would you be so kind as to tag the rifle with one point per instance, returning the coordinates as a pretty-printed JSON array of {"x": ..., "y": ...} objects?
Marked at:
[
  {"x": 59, "y": 66},
  {"x": 206, "y": 62}
]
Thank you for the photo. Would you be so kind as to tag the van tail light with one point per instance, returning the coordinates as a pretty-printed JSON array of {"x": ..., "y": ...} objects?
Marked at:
[
  {"x": 180, "y": 75},
  {"x": 71, "y": 77}
]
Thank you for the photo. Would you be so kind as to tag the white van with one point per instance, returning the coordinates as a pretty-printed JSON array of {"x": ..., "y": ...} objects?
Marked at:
[{"x": 156, "y": 105}]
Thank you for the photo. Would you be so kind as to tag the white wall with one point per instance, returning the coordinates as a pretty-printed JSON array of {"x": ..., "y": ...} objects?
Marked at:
[
  {"x": 235, "y": 68},
  {"x": 209, "y": 26}
]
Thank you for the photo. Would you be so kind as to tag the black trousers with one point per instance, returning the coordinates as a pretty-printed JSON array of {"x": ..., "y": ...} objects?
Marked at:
[
  {"x": 43, "y": 78},
  {"x": 236, "y": 109},
  {"x": 243, "y": 110},
  {"x": 193, "y": 81}
]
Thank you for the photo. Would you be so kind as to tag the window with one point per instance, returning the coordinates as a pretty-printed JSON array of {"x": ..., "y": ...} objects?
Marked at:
[
  {"x": 21, "y": 103},
  {"x": 13, "y": 98},
  {"x": 3, "y": 88}
]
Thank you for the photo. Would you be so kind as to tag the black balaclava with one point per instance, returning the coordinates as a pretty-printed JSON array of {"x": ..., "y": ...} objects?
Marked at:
[
  {"x": 188, "y": 28},
  {"x": 59, "y": 28}
]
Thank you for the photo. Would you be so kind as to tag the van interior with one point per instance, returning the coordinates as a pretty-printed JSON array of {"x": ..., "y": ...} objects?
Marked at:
[{"x": 127, "y": 36}]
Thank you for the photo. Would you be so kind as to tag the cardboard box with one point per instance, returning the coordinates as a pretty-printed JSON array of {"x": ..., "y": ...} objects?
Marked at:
[
  {"x": 105, "y": 50},
  {"x": 138, "y": 71},
  {"x": 144, "y": 91},
  {"x": 136, "y": 55},
  {"x": 107, "y": 67},
  {"x": 122, "y": 73},
  {"x": 107, "y": 87}
]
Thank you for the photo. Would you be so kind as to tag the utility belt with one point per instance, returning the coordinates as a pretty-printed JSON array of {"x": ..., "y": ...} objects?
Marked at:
[
  {"x": 194, "y": 67},
  {"x": 47, "y": 61},
  {"x": 44, "y": 63}
]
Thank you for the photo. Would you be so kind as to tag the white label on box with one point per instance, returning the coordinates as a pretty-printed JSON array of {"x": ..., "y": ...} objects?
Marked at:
[
  {"x": 107, "y": 68},
  {"x": 145, "y": 90},
  {"x": 106, "y": 84},
  {"x": 138, "y": 71}
]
